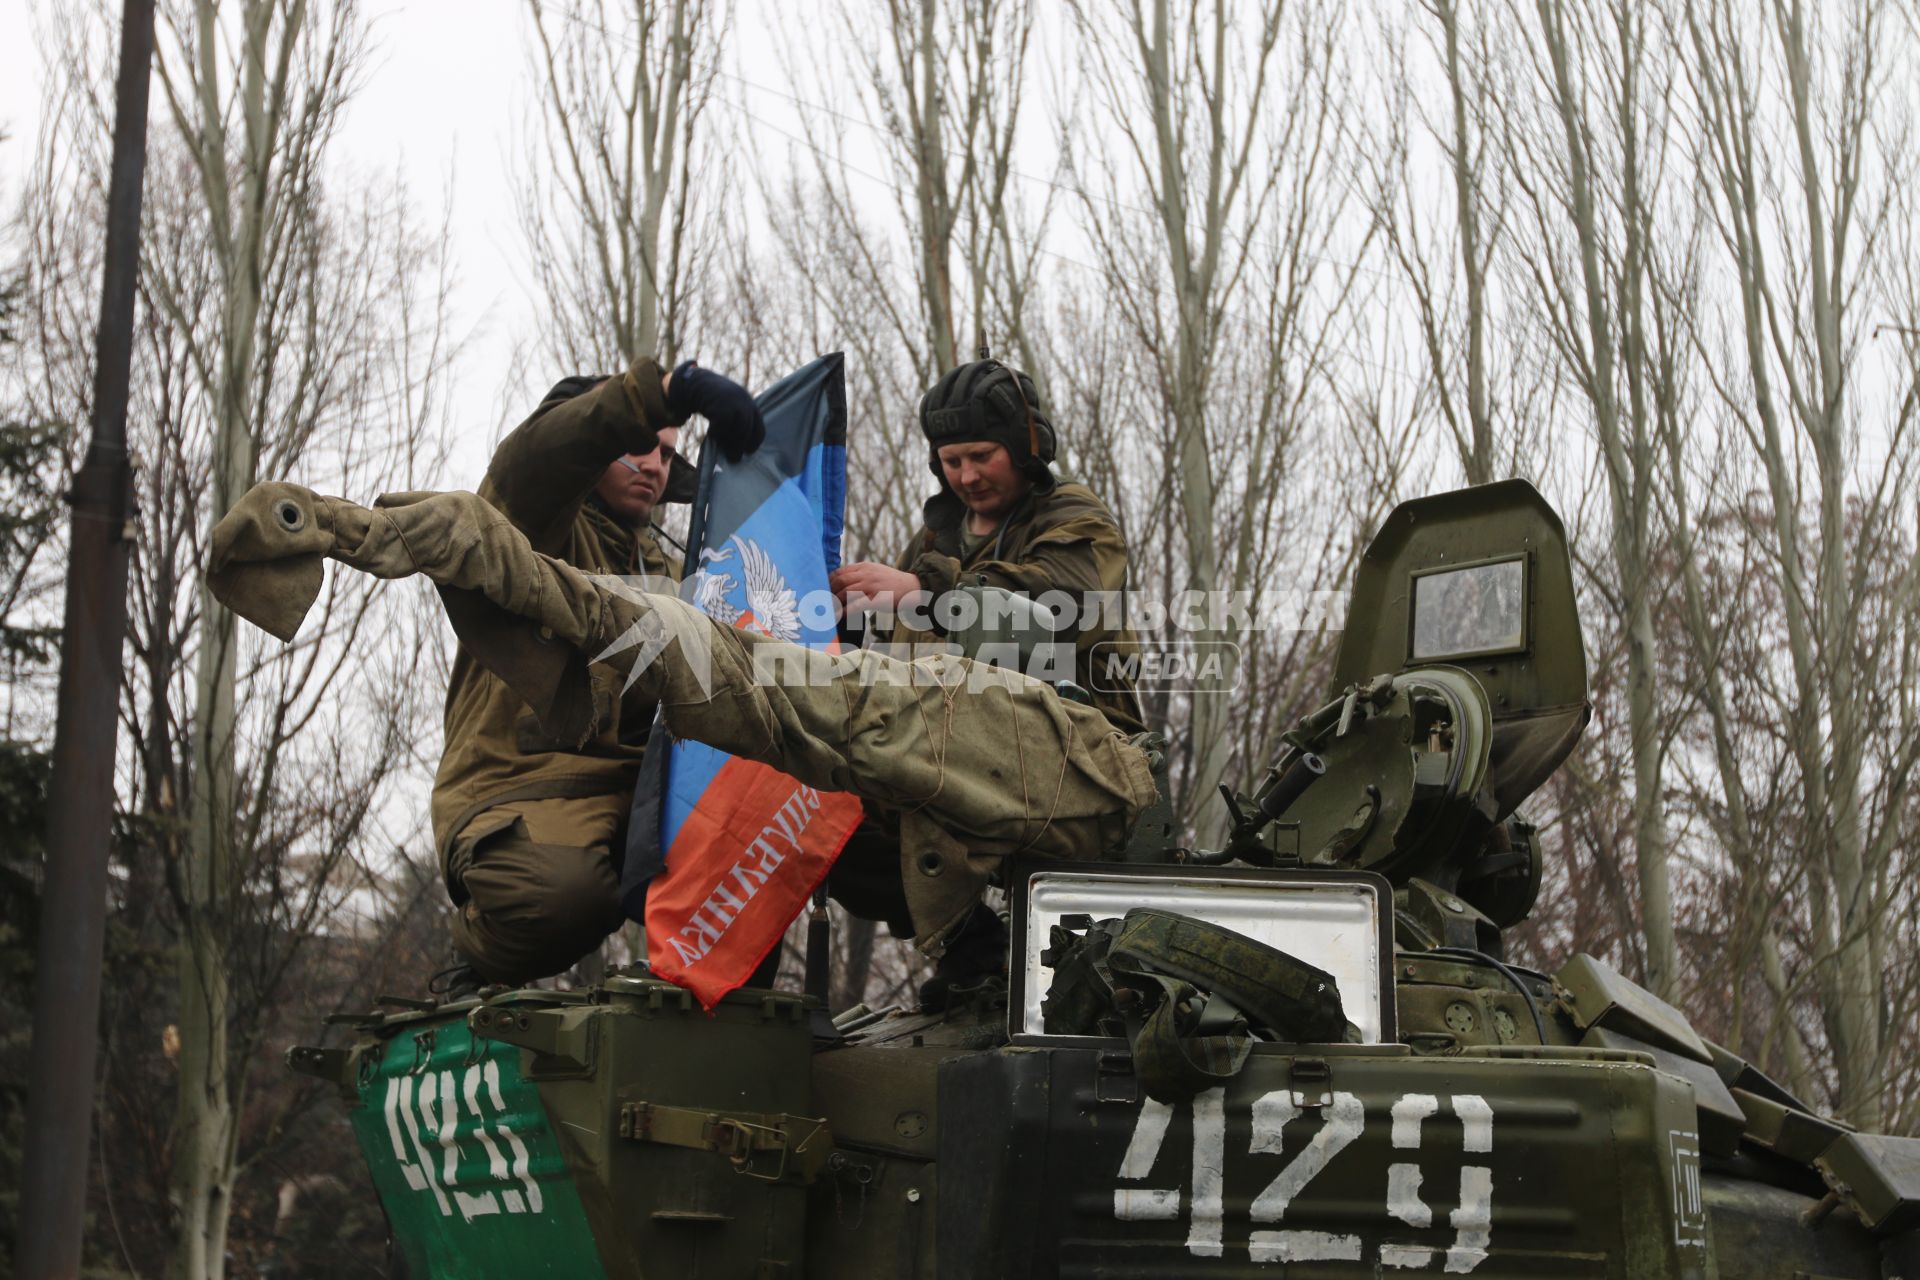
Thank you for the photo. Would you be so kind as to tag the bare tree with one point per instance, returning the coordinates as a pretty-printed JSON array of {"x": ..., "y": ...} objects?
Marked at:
[
  {"x": 1188, "y": 96},
  {"x": 1808, "y": 166},
  {"x": 947, "y": 81},
  {"x": 1207, "y": 184},
  {"x": 616, "y": 226},
  {"x": 900, "y": 214},
  {"x": 1590, "y": 150},
  {"x": 234, "y": 120},
  {"x": 1447, "y": 254},
  {"x": 286, "y": 327},
  {"x": 940, "y": 92}
]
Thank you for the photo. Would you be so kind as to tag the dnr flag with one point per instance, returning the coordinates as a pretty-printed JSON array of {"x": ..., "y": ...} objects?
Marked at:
[{"x": 723, "y": 853}]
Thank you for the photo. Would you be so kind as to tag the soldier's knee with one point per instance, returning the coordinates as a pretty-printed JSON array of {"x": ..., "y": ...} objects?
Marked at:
[
  {"x": 534, "y": 909},
  {"x": 581, "y": 896}
]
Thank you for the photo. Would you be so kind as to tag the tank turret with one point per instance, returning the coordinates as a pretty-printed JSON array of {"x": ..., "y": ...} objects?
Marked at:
[{"x": 1460, "y": 686}]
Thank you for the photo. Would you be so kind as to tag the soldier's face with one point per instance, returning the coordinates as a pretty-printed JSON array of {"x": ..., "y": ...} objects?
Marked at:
[
  {"x": 984, "y": 476},
  {"x": 633, "y": 484}
]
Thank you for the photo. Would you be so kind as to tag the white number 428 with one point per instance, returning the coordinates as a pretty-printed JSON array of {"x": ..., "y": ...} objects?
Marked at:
[{"x": 1345, "y": 1120}]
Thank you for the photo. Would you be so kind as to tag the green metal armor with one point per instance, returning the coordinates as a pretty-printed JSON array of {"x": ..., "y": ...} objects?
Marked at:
[{"x": 1303, "y": 1055}]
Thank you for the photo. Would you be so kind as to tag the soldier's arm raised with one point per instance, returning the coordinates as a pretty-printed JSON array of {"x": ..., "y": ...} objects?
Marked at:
[{"x": 547, "y": 466}]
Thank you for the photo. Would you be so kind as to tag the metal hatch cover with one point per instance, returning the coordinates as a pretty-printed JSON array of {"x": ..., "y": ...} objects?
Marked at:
[{"x": 1489, "y": 572}]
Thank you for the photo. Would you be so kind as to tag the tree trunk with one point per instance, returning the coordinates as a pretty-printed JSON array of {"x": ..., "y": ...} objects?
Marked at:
[
  {"x": 1607, "y": 341},
  {"x": 1478, "y": 462},
  {"x": 205, "y": 1136},
  {"x": 935, "y": 233}
]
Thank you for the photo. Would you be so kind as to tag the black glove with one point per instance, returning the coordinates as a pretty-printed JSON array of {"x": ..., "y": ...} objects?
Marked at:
[{"x": 733, "y": 419}]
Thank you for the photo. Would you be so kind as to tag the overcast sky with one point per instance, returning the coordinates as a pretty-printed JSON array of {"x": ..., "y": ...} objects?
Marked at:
[
  {"x": 447, "y": 93},
  {"x": 439, "y": 100}
]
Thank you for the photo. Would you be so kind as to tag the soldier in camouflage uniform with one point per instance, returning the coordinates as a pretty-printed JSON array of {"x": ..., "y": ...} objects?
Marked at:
[
  {"x": 1001, "y": 517},
  {"x": 527, "y": 826},
  {"x": 931, "y": 739}
]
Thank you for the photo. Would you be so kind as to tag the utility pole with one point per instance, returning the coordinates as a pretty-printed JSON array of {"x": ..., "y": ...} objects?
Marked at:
[{"x": 73, "y": 912}]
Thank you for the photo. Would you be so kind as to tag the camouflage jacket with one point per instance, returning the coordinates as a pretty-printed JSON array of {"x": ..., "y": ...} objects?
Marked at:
[
  {"x": 543, "y": 476},
  {"x": 1057, "y": 539}
]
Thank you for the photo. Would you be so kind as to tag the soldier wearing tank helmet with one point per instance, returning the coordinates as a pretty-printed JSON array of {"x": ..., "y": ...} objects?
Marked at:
[{"x": 1002, "y": 516}]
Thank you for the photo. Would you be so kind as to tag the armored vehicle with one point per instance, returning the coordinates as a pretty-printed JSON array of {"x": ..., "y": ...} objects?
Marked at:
[{"x": 1302, "y": 1055}]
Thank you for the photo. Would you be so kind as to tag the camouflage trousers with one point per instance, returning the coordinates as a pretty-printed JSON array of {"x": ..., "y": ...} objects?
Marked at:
[{"x": 979, "y": 762}]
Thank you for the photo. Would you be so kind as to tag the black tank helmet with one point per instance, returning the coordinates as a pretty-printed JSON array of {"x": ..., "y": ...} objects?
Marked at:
[{"x": 986, "y": 400}]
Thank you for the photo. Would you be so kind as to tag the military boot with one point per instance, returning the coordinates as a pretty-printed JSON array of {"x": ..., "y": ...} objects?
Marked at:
[
  {"x": 458, "y": 981},
  {"x": 974, "y": 963}
]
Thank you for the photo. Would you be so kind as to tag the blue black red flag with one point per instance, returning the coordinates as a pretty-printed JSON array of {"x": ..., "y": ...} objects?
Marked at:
[{"x": 723, "y": 853}]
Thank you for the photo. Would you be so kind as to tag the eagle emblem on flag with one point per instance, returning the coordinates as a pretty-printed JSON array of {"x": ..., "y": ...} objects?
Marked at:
[
  {"x": 771, "y": 606},
  {"x": 724, "y": 852}
]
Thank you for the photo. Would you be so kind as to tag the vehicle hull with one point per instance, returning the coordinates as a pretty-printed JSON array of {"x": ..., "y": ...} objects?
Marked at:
[{"x": 507, "y": 1140}]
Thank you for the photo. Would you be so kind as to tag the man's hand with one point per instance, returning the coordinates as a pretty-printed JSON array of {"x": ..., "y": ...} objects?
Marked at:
[
  {"x": 732, "y": 417},
  {"x": 866, "y": 584}
]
